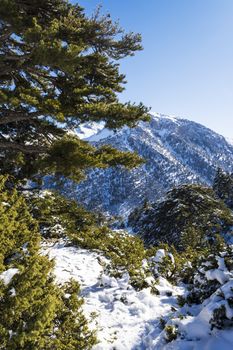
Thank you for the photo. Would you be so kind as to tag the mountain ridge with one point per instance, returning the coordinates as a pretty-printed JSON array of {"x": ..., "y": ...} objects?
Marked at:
[{"x": 176, "y": 151}]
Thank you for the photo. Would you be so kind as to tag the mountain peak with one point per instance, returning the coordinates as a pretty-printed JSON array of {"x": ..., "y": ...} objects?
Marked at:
[{"x": 157, "y": 116}]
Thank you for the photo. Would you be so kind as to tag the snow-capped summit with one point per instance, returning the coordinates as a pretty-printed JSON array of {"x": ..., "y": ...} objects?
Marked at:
[
  {"x": 176, "y": 151},
  {"x": 229, "y": 140},
  {"x": 88, "y": 130}
]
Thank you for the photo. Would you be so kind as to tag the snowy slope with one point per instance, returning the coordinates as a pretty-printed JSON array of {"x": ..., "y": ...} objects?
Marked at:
[
  {"x": 125, "y": 317},
  {"x": 176, "y": 151},
  {"x": 130, "y": 320},
  {"x": 229, "y": 140},
  {"x": 86, "y": 131}
]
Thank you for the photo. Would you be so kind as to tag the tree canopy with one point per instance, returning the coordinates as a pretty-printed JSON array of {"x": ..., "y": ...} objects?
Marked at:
[{"x": 58, "y": 69}]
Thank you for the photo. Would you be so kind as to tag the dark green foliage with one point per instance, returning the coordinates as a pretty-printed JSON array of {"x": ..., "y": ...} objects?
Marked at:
[
  {"x": 154, "y": 290},
  {"x": 34, "y": 313},
  {"x": 16, "y": 225},
  {"x": 190, "y": 215},
  {"x": 59, "y": 217},
  {"x": 171, "y": 333},
  {"x": 58, "y": 68},
  {"x": 223, "y": 187},
  {"x": 162, "y": 323},
  {"x": 72, "y": 332},
  {"x": 219, "y": 316}
]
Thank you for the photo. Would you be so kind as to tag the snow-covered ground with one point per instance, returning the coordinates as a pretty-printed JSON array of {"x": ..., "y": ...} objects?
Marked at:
[
  {"x": 124, "y": 318},
  {"x": 127, "y": 319}
]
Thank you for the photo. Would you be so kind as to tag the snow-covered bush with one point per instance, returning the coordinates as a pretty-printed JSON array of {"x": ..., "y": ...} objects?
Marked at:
[
  {"x": 212, "y": 273},
  {"x": 222, "y": 306},
  {"x": 174, "y": 266},
  {"x": 162, "y": 263},
  {"x": 208, "y": 304},
  {"x": 171, "y": 333}
]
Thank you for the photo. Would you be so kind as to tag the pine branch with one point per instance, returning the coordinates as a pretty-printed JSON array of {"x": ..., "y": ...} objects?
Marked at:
[
  {"x": 26, "y": 149},
  {"x": 13, "y": 57},
  {"x": 11, "y": 117}
]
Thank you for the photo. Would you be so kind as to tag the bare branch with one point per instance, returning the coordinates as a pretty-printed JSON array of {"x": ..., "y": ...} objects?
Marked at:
[{"x": 6, "y": 35}]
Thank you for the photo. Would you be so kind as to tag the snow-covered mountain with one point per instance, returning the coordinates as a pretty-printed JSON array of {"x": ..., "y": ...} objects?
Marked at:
[{"x": 176, "y": 151}]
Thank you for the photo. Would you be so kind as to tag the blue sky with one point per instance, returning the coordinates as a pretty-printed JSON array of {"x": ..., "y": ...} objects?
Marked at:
[{"x": 186, "y": 68}]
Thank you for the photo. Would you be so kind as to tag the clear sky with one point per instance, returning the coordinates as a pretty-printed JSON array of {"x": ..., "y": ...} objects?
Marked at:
[{"x": 186, "y": 68}]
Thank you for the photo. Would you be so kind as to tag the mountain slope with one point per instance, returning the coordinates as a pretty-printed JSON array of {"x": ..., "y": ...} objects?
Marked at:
[
  {"x": 176, "y": 151},
  {"x": 187, "y": 213}
]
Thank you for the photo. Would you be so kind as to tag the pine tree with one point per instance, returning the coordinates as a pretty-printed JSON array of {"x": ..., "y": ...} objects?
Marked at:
[
  {"x": 223, "y": 187},
  {"x": 59, "y": 68},
  {"x": 35, "y": 314},
  {"x": 189, "y": 215},
  {"x": 58, "y": 216}
]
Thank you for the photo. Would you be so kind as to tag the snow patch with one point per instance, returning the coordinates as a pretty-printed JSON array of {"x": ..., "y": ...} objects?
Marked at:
[
  {"x": 7, "y": 275},
  {"x": 102, "y": 134},
  {"x": 86, "y": 130}
]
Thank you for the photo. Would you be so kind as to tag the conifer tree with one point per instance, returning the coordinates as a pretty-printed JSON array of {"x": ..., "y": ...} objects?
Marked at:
[
  {"x": 223, "y": 187},
  {"x": 59, "y": 68},
  {"x": 35, "y": 314},
  {"x": 189, "y": 215}
]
